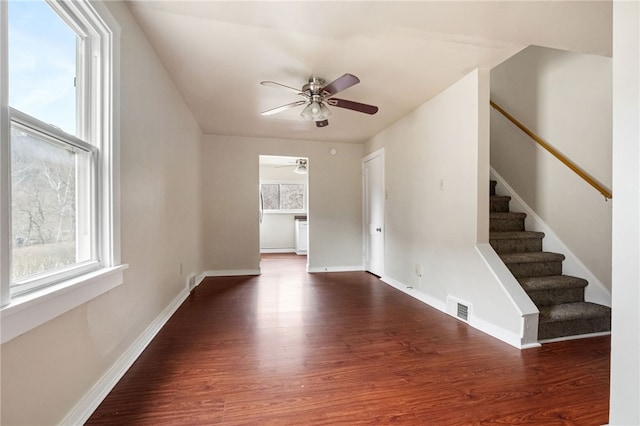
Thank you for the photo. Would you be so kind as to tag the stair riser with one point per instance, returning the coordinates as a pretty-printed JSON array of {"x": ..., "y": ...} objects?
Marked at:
[
  {"x": 555, "y": 297},
  {"x": 535, "y": 269},
  {"x": 575, "y": 327},
  {"x": 516, "y": 245},
  {"x": 499, "y": 206},
  {"x": 504, "y": 225}
]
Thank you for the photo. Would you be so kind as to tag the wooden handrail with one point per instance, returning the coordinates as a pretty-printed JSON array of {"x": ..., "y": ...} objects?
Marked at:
[{"x": 570, "y": 164}]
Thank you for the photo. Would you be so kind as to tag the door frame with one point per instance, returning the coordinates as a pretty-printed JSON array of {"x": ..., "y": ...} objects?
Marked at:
[{"x": 365, "y": 231}]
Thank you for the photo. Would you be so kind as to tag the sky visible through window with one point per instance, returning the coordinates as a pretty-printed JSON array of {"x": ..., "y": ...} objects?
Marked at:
[{"x": 42, "y": 64}]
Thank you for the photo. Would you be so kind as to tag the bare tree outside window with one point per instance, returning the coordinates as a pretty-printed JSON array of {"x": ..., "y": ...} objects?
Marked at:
[
  {"x": 43, "y": 204},
  {"x": 271, "y": 196},
  {"x": 292, "y": 196}
]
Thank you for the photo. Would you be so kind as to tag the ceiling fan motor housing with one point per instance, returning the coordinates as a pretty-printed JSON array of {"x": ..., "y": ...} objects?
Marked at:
[{"x": 314, "y": 86}]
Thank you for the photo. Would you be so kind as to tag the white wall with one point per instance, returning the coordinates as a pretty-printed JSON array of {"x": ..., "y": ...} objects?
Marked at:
[
  {"x": 565, "y": 98},
  {"x": 230, "y": 196},
  {"x": 277, "y": 233},
  {"x": 625, "y": 338},
  {"x": 277, "y": 230},
  {"x": 437, "y": 183},
  {"x": 48, "y": 370}
]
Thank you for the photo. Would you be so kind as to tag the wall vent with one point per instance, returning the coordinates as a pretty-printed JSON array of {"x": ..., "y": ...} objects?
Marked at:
[
  {"x": 459, "y": 309},
  {"x": 463, "y": 312}
]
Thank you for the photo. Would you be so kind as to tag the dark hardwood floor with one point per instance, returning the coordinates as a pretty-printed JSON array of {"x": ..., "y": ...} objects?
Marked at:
[{"x": 291, "y": 348}]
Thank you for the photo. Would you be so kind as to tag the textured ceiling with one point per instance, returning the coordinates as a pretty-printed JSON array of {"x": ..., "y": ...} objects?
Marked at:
[{"x": 403, "y": 52}]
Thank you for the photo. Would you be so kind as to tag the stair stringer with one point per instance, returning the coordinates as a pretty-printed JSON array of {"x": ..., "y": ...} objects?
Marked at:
[
  {"x": 595, "y": 292},
  {"x": 528, "y": 310}
]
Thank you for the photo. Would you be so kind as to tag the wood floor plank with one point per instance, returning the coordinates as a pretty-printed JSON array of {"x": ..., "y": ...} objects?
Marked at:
[{"x": 289, "y": 347}]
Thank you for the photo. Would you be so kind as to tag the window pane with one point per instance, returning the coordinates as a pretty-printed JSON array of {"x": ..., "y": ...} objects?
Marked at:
[
  {"x": 44, "y": 182},
  {"x": 292, "y": 196},
  {"x": 271, "y": 196},
  {"x": 42, "y": 64}
]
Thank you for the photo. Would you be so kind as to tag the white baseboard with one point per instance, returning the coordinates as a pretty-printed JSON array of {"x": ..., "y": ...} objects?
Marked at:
[
  {"x": 317, "y": 269},
  {"x": 499, "y": 333},
  {"x": 278, "y": 250},
  {"x": 514, "y": 339},
  {"x": 92, "y": 399},
  {"x": 580, "y": 336},
  {"x": 231, "y": 273},
  {"x": 424, "y": 298}
]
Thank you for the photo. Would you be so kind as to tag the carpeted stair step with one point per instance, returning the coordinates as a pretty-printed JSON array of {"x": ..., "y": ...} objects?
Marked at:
[
  {"x": 492, "y": 187},
  {"x": 506, "y": 221},
  {"x": 516, "y": 241},
  {"x": 554, "y": 289},
  {"x": 537, "y": 264},
  {"x": 499, "y": 203},
  {"x": 572, "y": 319},
  {"x": 559, "y": 298}
]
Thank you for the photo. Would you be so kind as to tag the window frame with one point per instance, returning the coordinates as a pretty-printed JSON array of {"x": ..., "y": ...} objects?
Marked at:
[
  {"x": 22, "y": 312},
  {"x": 45, "y": 131}
]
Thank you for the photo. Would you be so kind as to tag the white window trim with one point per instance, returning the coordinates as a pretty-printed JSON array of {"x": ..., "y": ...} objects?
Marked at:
[
  {"x": 5, "y": 174},
  {"x": 26, "y": 312},
  {"x": 31, "y": 310}
]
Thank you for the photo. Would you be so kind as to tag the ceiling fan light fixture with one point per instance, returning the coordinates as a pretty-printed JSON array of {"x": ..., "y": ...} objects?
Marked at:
[
  {"x": 324, "y": 111},
  {"x": 316, "y": 110},
  {"x": 301, "y": 167}
]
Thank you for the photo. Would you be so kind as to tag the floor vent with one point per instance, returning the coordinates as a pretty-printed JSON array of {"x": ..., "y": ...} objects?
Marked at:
[{"x": 463, "y": 312}]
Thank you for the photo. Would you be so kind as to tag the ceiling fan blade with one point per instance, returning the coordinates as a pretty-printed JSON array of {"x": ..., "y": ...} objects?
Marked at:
[
  {"x": 355, "y": 106},
  {"x": 283, "y": 108},
  {"x": 282, "y": 86},
  {"x": 340, "y": 84},
  {"x": 323, "y": 123}
]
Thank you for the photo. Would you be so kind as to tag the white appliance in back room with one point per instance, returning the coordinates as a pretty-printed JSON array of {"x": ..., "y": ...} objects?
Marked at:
[{"x": 301, "y": 234}]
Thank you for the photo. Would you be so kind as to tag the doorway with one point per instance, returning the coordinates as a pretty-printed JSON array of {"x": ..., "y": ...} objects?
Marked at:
[
  {"x": 373, "y": 200},
  {"x": 283, "y": 205}
]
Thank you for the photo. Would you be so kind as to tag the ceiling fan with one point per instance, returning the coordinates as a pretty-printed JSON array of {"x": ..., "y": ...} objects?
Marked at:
[
  {"x": 300, "y": 166},
  {"x": 318, "y": 95}
]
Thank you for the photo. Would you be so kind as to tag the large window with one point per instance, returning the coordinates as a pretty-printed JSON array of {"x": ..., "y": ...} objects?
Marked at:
[
  {"x": 53, "y": 153},
  {"x": 57, "y": 125}
]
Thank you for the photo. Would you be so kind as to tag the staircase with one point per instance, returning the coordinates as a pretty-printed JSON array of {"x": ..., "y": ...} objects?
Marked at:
[{"x": 559, "y": 298}]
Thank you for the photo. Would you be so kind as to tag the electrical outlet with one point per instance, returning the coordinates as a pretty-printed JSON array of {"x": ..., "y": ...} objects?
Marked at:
[{"x": 419, "y": 269}]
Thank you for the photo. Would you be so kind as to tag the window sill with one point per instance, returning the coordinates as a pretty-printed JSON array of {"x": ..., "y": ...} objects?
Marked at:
[
  {"x": 31, "y": 310},
  {"x": 297, "y": 212}
]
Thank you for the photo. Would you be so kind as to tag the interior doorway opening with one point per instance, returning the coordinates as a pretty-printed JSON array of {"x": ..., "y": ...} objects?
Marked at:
[{"x": 284, "y": 205}]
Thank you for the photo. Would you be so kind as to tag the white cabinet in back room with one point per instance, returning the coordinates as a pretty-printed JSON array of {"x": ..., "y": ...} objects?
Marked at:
[{"x": 301, "y": 236}]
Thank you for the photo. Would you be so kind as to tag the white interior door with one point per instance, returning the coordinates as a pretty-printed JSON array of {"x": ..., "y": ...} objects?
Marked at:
[{"x": 374, "y": 198}]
